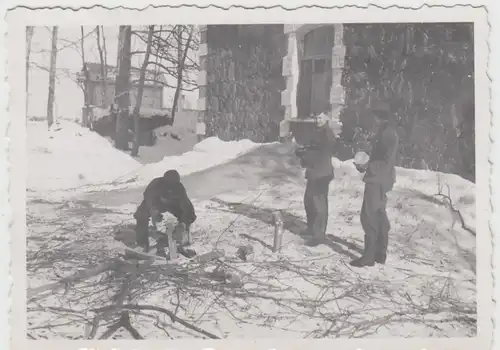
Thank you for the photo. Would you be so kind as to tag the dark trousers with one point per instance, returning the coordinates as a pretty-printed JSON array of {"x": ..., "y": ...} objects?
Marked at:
[
  {"x": 316, "y": 206},
  {"x": 375, "y": 222},
  {"x": 142, "y": 215}
]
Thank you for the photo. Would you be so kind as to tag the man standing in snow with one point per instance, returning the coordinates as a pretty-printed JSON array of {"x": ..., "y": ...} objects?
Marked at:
[
  {"x": 317, "y": 159},
  {"x": 380, "y": 176}
]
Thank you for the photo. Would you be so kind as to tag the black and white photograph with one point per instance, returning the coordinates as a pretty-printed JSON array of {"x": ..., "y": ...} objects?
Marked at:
[{"x": 297, "y": 180}]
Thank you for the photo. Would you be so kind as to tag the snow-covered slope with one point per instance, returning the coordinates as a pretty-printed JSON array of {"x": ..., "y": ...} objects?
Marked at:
[
  {"x": 72, "y": 159},
  {"x": 70, "y": 156}
]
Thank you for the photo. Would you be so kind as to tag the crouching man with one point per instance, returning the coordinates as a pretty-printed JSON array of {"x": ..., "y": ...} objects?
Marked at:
[
  {"x": 163, "y": 194},
  {"x": 379, "y": 178},
  {"x": 317, "y": 160}
]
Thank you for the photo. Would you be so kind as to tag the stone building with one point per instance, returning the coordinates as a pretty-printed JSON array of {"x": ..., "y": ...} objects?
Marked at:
[
  {"x": 307, "y": 68},
  {"x": 255, "y": 76}
]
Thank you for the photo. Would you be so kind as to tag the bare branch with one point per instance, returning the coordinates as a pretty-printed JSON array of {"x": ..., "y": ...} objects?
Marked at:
[
  {"x": 451, "y": 207},
  {"x": 34, "y": 292},
  {"x": 170, "y": 314}
]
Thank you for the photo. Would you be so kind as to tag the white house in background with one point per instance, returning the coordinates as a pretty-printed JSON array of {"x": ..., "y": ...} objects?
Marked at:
[{"x": 152, "y": 99}]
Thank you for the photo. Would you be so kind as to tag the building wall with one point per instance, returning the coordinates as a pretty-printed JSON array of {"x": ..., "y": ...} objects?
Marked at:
[
  {"x": 295, "y": 52},
  {"x": 152, "y": 96},
  {"x": 425, "y": 72},
  {"x": 241, "y": 81},
  {"x": 241, "y": 98}
]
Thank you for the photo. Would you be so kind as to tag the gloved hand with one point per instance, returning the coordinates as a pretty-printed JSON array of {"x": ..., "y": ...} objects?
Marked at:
[{"x": 360, "y": 168}]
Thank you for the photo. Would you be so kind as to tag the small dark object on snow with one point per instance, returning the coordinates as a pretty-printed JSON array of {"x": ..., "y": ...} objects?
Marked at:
[
  {"x": 218, "y": 274},
  {"x": 244, "y": 251},
  {"x": 188, "y": 253},
  {"x": 175, "y": 136},
  {"x": 233, "y": 279}
]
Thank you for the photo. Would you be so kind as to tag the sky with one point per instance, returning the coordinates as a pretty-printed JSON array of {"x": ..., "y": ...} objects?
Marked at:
[{"x": 68, "y": 96}]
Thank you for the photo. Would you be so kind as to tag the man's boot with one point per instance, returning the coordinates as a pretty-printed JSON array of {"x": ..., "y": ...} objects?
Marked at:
[
  {"x": 315, "y": 241},
  {"x": 380, "y": 258},
  {"x": 368, "y": 257},
  {"x": 362, "y": 262}
]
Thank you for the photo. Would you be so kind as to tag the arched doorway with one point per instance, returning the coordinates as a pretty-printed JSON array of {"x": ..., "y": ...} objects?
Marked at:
[{"x": 315, "y": 70}]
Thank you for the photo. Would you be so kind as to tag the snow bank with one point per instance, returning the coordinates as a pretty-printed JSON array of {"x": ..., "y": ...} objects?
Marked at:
[
  {"x": 70, "y": 156},
  {"x": 208, "y": 153}
]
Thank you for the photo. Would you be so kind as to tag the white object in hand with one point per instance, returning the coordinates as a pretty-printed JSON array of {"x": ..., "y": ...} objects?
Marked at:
[{"x": 361, "y": 158}]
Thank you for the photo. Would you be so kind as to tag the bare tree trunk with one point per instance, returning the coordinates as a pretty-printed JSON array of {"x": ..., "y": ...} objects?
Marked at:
[
  {"x": 140, "y": 91},
  {"x": 122, "y": 92},
  {"x": 105, "y": 51},
  {"x": 104, "y": 68},
  {"x": 86, "y": 98},
  {"x": 52, "y": 78},
  {"x": 182, "y": 54},
  {"x": 29, "y": 37}
]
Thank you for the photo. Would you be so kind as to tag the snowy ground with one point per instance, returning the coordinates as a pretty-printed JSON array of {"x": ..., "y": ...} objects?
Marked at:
[{"x": 426, "y": 289}]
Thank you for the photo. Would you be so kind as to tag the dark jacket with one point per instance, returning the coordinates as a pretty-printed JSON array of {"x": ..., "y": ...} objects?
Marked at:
[
  {"x": 317, "y": 158},
  {"x": 381, "y": 167},
  {"x": 170, "y": 197}
]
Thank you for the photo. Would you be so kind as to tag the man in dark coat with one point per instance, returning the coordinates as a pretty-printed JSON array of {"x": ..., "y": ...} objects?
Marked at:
[
  {"x": 163, "y": 194},
  {"x": 317, "y": 160},
  {"x": 380, "y": 176}
]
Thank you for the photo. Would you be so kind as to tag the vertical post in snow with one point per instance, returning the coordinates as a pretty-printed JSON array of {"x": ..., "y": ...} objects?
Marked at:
[{"x": 278, "y": 230}]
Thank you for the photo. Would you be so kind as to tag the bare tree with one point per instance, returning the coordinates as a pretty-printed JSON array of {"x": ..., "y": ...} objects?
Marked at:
[
  {"x": 84, "y": 83},
  {"x": 52, "y": 78},
  {"x": 29, "y": 36},
  {"x": 172, "y": 50},
  {"x": 104, "y": 48},
  {"x": 140, "y": 91},
  {"x": 104, "y": 66},
  {"x": 122, "y": 88},
  {"x": 182, "y": 51}
]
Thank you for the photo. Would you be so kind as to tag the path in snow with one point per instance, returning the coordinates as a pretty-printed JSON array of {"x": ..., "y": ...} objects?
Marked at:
[{"x": 269, "y": 163}]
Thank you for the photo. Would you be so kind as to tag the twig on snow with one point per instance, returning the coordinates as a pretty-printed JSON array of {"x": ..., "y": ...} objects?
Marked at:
[{"x": 169, "y": 313}]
